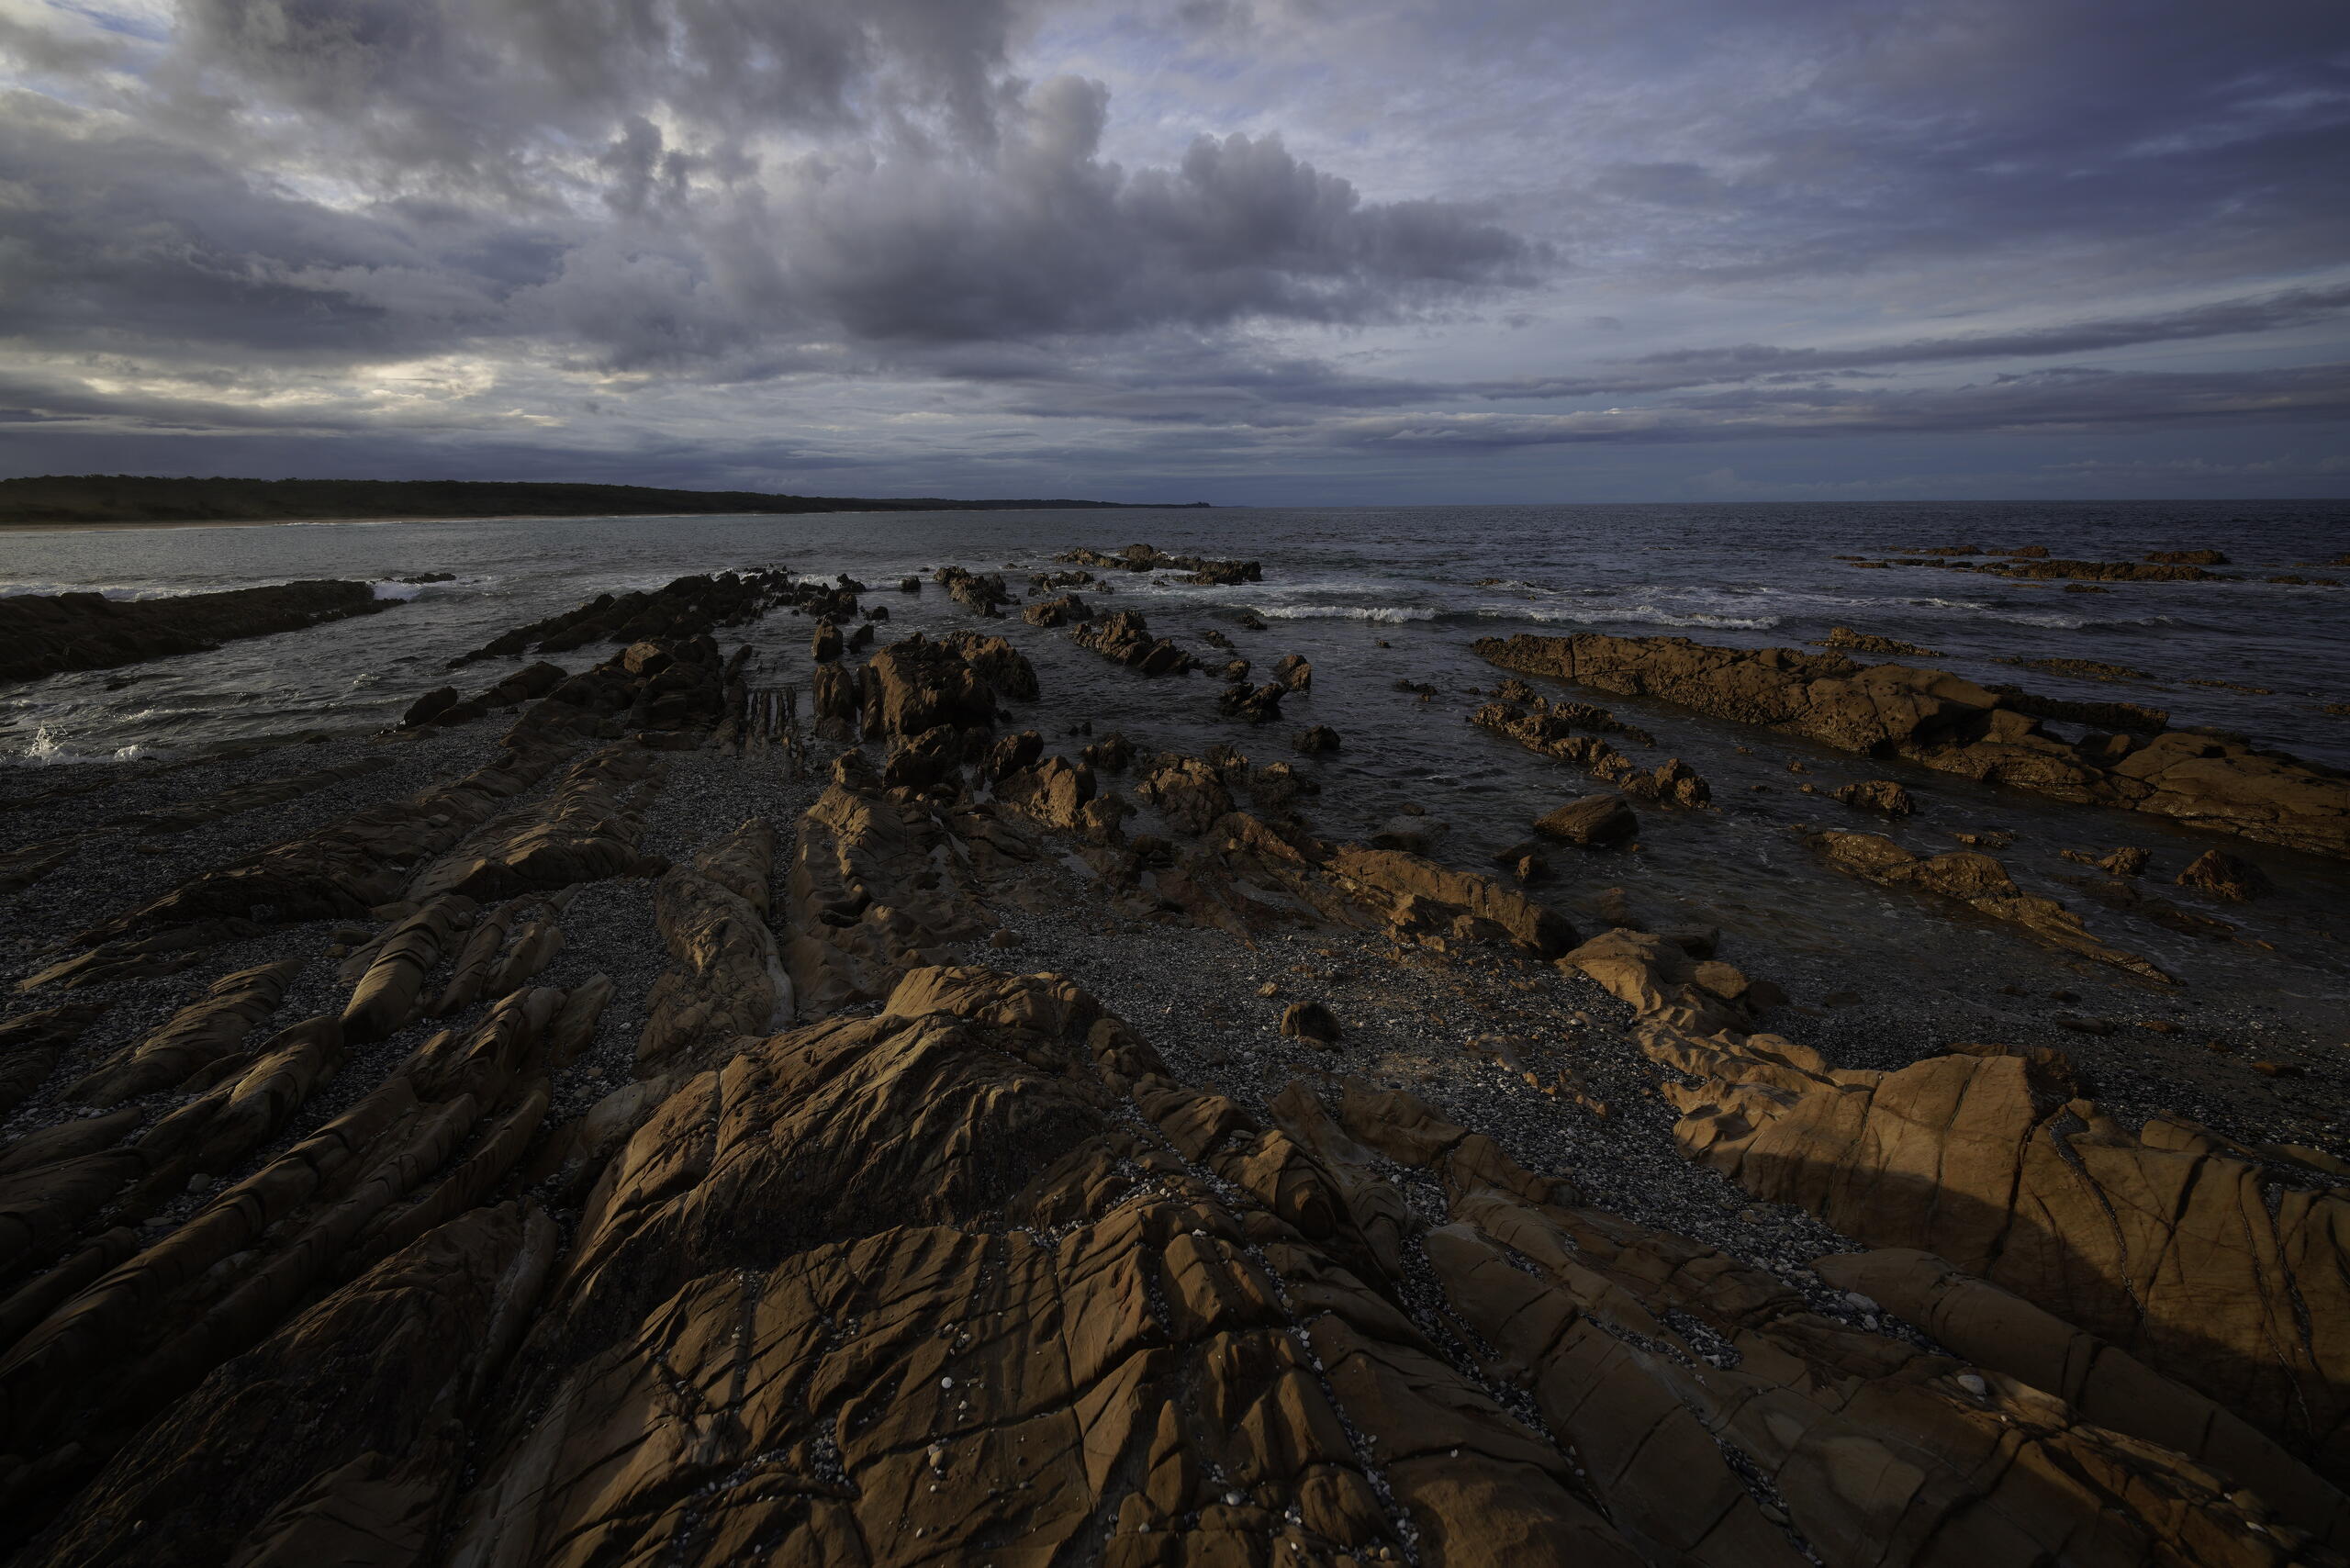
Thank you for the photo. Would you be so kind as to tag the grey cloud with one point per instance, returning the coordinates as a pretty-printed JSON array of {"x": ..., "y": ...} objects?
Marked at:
[
  {"x": 1673, "y": 369},
  {"x": 2066, "y": 397}
]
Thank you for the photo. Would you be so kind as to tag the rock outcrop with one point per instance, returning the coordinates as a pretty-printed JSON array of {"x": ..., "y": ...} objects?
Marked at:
[
  {"x": 48, "y": 633},
  {"x": 1979, "y": 882},
  {"x": 1549, "y": 729},
  {"x": 1952, "y": 726},
  {"x": 1124, "y": 636},
  {"x": 685, "y": 608}
]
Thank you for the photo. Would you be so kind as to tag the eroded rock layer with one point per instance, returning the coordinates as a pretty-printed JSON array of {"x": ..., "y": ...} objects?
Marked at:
[{"x": 1943, "y": 721}]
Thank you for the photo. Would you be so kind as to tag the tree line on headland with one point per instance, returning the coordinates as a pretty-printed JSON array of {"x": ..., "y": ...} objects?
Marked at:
[{"x": 126, "y": 497}]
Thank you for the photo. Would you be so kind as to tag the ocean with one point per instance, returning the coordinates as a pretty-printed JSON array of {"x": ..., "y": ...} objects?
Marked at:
[
  {"x": 1378, "y": 597},
  {"x": 1428, "y": 579}
]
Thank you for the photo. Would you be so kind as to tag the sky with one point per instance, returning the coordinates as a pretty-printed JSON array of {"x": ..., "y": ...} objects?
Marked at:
[{"x": 1248, "y": 252}]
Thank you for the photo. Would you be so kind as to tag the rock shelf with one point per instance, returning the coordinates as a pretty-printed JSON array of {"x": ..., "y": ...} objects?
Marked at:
[{"x": 657, "y": 1131}]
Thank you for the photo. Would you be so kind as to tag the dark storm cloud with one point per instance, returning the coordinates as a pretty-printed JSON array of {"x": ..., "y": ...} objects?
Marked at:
[{"x": 500, "y": 175}]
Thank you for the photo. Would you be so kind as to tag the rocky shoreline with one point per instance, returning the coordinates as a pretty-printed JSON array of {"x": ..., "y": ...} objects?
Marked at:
[{"x": 700, "y": 1108}]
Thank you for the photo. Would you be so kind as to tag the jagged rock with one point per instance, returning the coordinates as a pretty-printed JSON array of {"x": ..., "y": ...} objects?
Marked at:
[
  {"x": 586, "y": 831},
  {"x": 1111, "y": 754},
  {"x": 1551, "y": 731},
  {"x": 1883, "y": 796},
  {"x": 869, "y": 903},
  {"x": 816, "y": 1240},
  {"x": 685, "y": 608},
  {"x": 1062, "y": 612},
  {"x": 1841, "y": 637},
  {"x": 1253, "y": 705},
  {"x": 428, "y": 707},
  {"x": 341, "y": 871},
  {"x": 1149, "y": 558},
  {"x": 1293, "y": 672},
  {"x": 1000, "y": 664},
  {"x": 910, "y": 584},
  {"x": 1419, "y": 901},
  {"x": 1982, "y": 884},
  {"x": 2224, "y": 877},
  {"x": 2169, "y": 1244},
  {"x": 1595, "y": 821},
  {"x": 1010, "y": 754},
  {"x": 915, "y": 685},
  {"x": 979, "y": 594},
  {"x": 341, "y": 1439},
  {"x": 1054, "y": 792},
  {"x": 1188, "y": 792},
  {"x": 1124, "y": 636},
  {"x": 432, "y": 1141},
  {"x": 1315, "y": 739},
  {"x": 1955, "y": 726},
  {"x": 729, "y": 978},
  {"x": 45, "y": 634},
  {"x": 824, "y": 646}
]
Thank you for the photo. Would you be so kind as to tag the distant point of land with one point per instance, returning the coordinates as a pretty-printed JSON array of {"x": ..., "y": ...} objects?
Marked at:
[{"x": 97, "y": 498}]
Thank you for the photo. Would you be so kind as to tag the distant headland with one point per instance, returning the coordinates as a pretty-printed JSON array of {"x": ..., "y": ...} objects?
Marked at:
[{"x": 97, "y": 498}]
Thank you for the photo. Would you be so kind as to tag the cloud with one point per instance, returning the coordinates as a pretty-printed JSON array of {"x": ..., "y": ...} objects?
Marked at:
[
  {"x": 1673, "y": 369},
  {"x": 1155, "y": 232},
  {"x": 2066, "y": 397}
]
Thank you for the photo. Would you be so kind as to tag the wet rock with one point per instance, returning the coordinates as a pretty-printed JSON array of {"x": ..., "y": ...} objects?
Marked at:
[
  {"x": 428, "y": 707},
  {"x": 1189, "y": 792},
  {"x": 1111, "y": 754},
  {"x": 1596, "y": 821},
  {"x": 2188, "y": 557},
  {"x": 1005, "y": 669},
  {"x": 685, "y": 608},
  {"x": 1251, "y": 705},
  {"x": 1982, "y": 884},
  {"x": 1883, "y": 796},
  {"x": 1293, "y": 672},
  {"x": 825, "y": 645},
  {"x": 2224, "y": 877},
  {"x": 1844, "y": 637},
  {"x": 1067, "y": 609},
  {"x": 979, "y": 593},
  {"x": 1124, "y": 636},
  {"x": 1551, "y": 731},
  {"x": 1315, "y": 739},
  {"x": 47, "y": 633}
]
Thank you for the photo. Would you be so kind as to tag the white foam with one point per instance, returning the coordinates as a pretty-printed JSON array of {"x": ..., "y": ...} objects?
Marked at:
[{"x": 1383, "y": 613}]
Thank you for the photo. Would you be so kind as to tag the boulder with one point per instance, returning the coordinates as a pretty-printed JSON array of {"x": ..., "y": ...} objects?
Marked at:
[
  {"x": 1310, "y": 1021},
  {"x": 1596, "y": 821},
  {"x": 2224, "y": 877},
  {"x": 1883, "y": 796}
]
